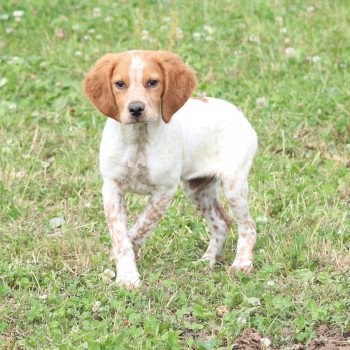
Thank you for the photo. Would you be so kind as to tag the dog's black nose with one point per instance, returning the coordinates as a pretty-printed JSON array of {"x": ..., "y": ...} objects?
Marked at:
[{"x": 136, "y": 108}]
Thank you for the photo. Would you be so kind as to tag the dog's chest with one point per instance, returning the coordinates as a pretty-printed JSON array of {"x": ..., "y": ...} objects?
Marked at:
[{"x": 137, "y": 169}]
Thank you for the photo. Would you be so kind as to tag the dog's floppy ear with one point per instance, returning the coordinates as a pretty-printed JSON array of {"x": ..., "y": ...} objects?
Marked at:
[
  {"x": 179, "y": 83},
  {"x": 98, "y": 85}
]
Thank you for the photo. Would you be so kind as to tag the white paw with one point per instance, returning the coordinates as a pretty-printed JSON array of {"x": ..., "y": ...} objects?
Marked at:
[
  {"x": 206, "y": 258},
  {"x": 129, "y": 280},
  {"x": 241, "y": 265}
]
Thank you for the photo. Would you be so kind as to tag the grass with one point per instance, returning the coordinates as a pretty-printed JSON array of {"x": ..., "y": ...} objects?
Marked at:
[{"x": 54, "y": 293}]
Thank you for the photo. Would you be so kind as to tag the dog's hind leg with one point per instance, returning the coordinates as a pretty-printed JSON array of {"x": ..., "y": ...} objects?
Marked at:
[
  {"x": 202, "y": 193},
  {"x": 236, "y": 192}
]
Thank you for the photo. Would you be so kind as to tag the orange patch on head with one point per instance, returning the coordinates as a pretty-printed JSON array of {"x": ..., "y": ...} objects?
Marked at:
[
  {"x": 179, "y": 83},
  {"x": 117, "y": 80},
  {"x": 98, "y": 88}
]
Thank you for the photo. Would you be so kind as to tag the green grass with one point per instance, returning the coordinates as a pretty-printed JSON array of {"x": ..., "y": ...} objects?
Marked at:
[{"x": 51, "y": 279}]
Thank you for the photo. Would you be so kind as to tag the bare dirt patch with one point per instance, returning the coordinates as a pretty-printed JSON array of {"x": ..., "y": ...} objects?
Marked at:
[
  {"x": 249, "y": 339},
  {"x": 327, "y": 339}
]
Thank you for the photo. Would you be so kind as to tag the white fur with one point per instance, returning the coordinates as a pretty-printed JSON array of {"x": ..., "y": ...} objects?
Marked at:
[
  {"x": 136, "y": 69},
  {"x": 203, "y": 139}
]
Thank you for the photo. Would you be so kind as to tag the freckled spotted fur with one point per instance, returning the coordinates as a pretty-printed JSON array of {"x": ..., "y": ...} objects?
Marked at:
[{"x": 157, "y": 137}]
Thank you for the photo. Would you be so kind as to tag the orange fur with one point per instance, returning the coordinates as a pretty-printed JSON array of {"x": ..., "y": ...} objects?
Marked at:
[
  {"x": 199, "y": 98},
  {"x": 97, "y": 85},
  {"x": 179, "y": 83}
]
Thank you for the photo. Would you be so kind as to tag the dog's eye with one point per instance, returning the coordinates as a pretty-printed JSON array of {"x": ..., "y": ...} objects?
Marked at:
[
  {"x": 120, "y": 84},
  {"x": 152, "y": 83}
]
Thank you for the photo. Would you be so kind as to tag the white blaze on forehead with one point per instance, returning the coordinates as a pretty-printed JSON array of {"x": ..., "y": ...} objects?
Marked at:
[{"x": 136, "y": 69}]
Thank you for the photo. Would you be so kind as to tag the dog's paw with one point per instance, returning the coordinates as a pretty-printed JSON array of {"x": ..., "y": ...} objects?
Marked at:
[
  {"x": 206, "y": 259},
  {"x": 129, "y": 280},
  {"x": 245, "y": 266}
]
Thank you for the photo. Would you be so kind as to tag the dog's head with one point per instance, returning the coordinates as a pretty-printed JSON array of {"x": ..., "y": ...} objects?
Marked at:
[{"x": 139, "y": 86}]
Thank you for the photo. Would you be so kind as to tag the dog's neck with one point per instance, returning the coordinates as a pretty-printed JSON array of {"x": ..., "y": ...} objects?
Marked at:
[{"x": 138, "y": 138}]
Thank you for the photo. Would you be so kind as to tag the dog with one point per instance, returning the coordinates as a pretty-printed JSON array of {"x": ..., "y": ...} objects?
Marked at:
[{"x": 157, "y": 137}]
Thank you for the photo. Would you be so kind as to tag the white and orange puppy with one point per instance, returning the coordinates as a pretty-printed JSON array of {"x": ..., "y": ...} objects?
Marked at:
[{"x": 156, "y": 136}]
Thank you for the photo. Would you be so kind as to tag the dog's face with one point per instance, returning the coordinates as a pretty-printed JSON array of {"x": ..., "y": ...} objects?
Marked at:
[{"x": 139, "y": 86}]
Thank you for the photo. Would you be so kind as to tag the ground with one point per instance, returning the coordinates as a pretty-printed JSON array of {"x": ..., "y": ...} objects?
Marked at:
[{"x": 286, "y": 64}]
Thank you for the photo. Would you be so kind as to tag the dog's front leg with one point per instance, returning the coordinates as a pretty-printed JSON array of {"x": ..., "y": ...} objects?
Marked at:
[
  {"x": 157, "y": 206},
  {"x": 115, "y": 211}
]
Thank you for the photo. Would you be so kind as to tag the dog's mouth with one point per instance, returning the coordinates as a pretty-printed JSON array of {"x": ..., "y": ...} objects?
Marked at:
[
  {"x": 133, "y": 120},
  {"x": 142, "y": 119}
]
